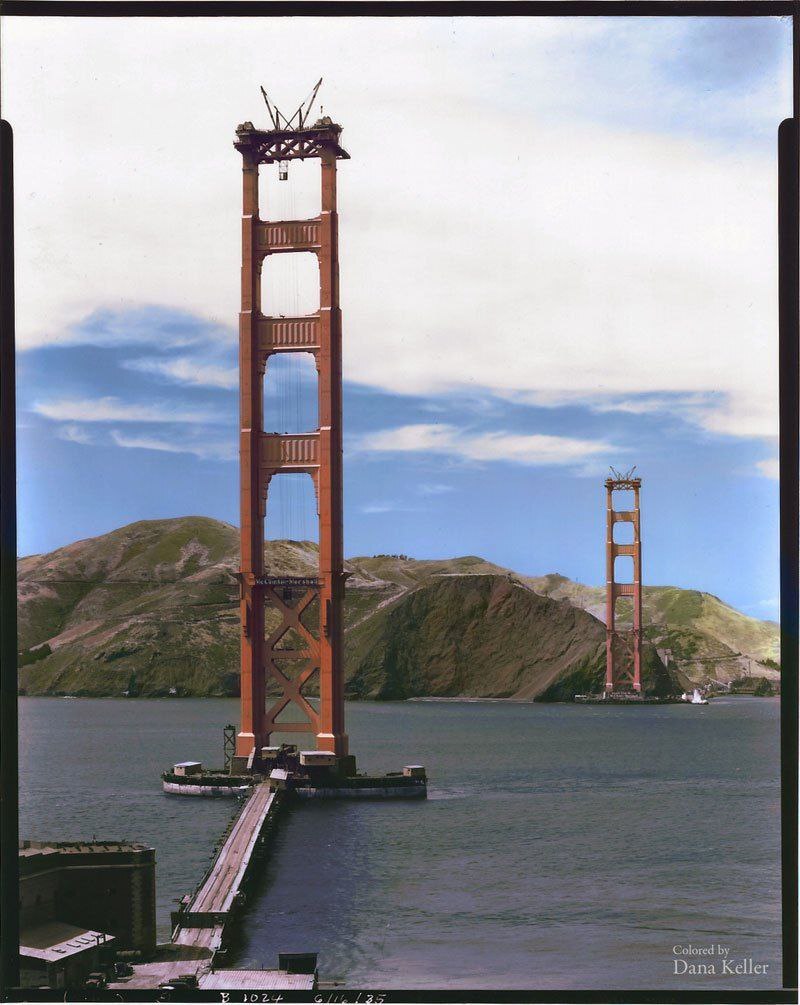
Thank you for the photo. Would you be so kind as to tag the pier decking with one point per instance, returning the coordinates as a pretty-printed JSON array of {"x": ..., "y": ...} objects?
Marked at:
[
  {"x": 261, "y": 980},
  {"x": 203, "y": 920},
  {"x": 202, "y": 926}
]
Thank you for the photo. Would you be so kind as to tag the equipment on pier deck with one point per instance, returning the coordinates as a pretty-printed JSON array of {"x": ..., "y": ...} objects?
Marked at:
[
  {"x": 228, "y": 745},
  {"x": 317, "y": 759},
  {"x": 188, "y": 768},
  {"x": 298, "y": 963}
]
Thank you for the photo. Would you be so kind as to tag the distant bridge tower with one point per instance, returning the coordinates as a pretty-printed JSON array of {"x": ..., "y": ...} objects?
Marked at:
[
  {"x": 264, "y": 455},
  {"x": 623, "y": 646}
]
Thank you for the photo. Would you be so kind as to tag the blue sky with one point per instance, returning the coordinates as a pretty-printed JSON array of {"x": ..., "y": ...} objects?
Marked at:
[{"x": 592, "y": 285}]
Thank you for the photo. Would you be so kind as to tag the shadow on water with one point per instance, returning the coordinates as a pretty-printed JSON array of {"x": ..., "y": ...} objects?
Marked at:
[{"x": 313, "y": 891}]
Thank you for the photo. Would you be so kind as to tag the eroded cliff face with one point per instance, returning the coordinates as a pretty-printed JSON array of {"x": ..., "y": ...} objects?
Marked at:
[{"x": 485, "y": 636}]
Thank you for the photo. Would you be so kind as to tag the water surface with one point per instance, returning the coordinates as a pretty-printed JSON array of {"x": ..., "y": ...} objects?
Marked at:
[{"x": 561, "y": 846}]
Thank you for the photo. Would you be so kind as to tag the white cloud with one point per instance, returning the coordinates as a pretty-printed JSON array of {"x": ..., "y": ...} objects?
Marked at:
[
  {"x": 681, "y": 404},
  {"x": 423, "y": 436},
  {"x": 111, "y": 409},
  {"x": 517, "y": 448},
  {"x": 750, "y": 412},
  {"x": 188, "y": 370},
  {"x": 769, "y": 468},
  {"x": 389, "y": 507},
  {"x": 564, "y": 257},
  {"x": 753, "y": 411},
  {"x": 434, "y": 489},
  {"x": 74, "y": 434},
  {"x": 205, "y": 450}
]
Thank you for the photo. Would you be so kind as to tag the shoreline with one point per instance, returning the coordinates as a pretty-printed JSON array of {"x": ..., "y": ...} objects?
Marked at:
[{"x": 358, "y": 701}]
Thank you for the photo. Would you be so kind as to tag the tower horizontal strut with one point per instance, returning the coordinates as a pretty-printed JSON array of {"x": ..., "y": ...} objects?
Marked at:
[
  {"x": 285, "y": 236},
  {"x": 297, "y": 334}
]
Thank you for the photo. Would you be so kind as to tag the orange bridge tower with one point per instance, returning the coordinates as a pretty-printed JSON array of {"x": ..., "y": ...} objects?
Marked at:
[
  {"x": 623, "y": 646},
  {"x": 309, "y": 609}
]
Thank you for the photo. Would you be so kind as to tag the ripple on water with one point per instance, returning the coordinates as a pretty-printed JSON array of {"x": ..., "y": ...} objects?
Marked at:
[{"x": 559, "y": 847}]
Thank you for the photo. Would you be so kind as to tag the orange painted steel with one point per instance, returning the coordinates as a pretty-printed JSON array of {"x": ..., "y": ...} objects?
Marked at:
[
  {"x": 264, "y": 456},
  {"x": 623, "y": 647}
]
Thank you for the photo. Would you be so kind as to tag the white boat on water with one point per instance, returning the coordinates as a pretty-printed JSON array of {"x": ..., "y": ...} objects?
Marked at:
[{"x": 696, "y": 698}]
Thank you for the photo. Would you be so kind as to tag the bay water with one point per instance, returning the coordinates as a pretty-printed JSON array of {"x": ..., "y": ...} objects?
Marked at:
[{"x": 560, "y": 846}]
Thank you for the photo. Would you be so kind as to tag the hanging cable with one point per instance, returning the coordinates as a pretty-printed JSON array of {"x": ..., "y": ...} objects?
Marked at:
[
  {"x": 291, "y": 397},
  {"x": 298, "y": 530}
]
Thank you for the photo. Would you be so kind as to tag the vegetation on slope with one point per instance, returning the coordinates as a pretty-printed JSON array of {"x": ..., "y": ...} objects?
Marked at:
[
  {"x": 699, "y": 633},
  {"x": 484, "y": 636},
  {"x": 152, "y": 607}
]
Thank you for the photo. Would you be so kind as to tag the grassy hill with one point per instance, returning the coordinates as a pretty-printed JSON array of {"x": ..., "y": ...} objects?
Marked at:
[
  {"x": 152, "y": 606},
  {"x": 153, "y": 600},
  {"x": 484, "y": 636},
  {"x": 703, "y": 637}
]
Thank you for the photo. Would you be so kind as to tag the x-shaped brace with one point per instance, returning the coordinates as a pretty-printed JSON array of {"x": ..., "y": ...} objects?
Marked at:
[{"x": 291, "y": 689}]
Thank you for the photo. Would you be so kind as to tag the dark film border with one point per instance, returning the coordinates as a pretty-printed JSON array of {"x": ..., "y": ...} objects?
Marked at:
[{"x": 789, "y": 336}]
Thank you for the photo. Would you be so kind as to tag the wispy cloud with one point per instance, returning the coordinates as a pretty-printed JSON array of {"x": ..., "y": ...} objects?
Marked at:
[
  {"x": 683, "y": 405},
  {"x": 389, "y": 507},
  {"x": 143, "y": 324},
  {"x": 749, "y": 413},
  {"x": 74, "y": 434},
  {"x": 532, "y": 449},
  {"x": 769, "y": 468},
  {"x": 769, "y": 606},
  {"x": 110, "y": 409},
  {"x": 753, "y": 412},
  {"x": 188, "y": 370},
  {"x": 206, "y": 450},
  {"x": 435, "y": 489}
]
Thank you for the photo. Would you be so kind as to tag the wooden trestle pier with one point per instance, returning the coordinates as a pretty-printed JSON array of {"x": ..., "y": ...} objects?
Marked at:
[{"x": 202, "y": 920}]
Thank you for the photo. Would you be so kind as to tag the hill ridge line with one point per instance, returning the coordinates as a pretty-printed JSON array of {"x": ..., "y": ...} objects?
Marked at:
[{"x": 152, "y": 607}]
